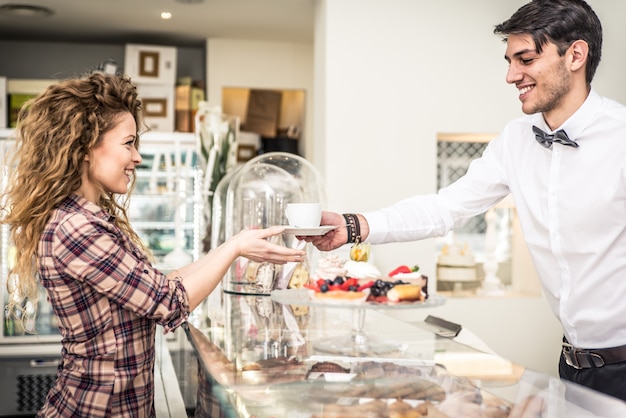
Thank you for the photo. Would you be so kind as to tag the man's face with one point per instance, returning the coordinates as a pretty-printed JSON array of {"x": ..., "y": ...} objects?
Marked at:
[{"x": 542, "y": 79}]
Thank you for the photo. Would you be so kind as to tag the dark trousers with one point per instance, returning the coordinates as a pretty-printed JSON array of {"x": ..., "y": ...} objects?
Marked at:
[{"x": 609, "y": 379}]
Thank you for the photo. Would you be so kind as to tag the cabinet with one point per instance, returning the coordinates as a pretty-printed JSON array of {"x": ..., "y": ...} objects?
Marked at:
[{"x": 166, "y": 208}]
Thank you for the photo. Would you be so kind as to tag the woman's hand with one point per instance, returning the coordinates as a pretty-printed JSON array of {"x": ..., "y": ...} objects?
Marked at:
[{"x": 253, "y": 244}]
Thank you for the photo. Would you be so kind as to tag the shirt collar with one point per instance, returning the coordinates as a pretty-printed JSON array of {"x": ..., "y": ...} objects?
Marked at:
[
  {"x": 575, "y": 124},
  {"x": 75, "y": 202}
]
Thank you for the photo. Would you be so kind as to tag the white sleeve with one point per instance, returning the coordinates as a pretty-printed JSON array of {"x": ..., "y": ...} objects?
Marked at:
[{"x": 434, "y": 215}]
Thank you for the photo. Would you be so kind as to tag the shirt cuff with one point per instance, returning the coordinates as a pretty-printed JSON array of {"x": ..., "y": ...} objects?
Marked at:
[
  {"x": 378, "y": 227},
  {"x": 180, "y": 299}
]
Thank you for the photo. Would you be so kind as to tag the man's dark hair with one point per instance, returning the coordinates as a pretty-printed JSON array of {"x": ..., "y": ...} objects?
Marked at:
[{"x": 561, "y": 22}]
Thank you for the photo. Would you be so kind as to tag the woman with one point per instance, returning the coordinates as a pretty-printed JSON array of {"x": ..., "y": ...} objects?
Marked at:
[{"x": 77, "y": 149}]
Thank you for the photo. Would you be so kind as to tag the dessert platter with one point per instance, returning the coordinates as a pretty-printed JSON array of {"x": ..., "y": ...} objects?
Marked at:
[
  {"x": 360, "y": 295},
  {"x": 349, "y": 300}
]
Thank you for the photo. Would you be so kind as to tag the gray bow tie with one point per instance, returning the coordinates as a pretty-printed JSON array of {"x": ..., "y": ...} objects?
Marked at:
[{"x": 547, "y": 139}]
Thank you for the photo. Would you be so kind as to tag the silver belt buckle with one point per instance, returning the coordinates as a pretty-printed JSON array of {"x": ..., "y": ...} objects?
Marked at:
[{"x": 569, "y": 353}]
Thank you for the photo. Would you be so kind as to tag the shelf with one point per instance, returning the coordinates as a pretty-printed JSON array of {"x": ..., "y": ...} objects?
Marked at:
[{"x": 160, "y": 225}]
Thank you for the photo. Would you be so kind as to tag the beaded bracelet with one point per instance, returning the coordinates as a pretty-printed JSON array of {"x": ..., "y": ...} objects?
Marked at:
[{"x": 353, "y": 227}]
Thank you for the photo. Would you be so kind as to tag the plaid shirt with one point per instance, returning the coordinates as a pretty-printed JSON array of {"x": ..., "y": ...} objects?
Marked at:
[{"x": 108, "y": 299}]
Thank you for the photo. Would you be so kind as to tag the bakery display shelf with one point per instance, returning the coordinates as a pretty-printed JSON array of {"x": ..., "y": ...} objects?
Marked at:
[
  {"x": 304, "y": 297},
  {"x": 357, "y": 342},
  {"x": 313, "y": 385},
  {"x": 455, "y": 380},
  {"x": 141, "y": 225},
  {"x": 322, "y": 386}
]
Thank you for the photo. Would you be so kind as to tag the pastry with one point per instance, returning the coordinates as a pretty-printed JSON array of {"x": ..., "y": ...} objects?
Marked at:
[
  {"x": 326, "y": 367},
  {"x": 372, "y": 409},
  {"x": 402, "y": 409},
  {"x": 330, "y": 267},
  {"x": 405, "y": 293},
  {"x": 299, "y": 277},
  {"x": 407, "y": 388}
]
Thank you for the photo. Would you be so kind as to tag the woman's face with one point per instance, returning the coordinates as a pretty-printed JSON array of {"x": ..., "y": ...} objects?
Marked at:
[{"x": 112, "y": 162}]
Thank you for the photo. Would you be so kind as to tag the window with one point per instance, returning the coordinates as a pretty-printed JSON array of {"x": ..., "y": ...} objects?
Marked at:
[{"x": 455, "y": 152}]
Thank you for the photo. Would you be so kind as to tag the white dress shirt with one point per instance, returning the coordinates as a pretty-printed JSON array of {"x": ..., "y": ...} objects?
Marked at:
[{"x": 571, "y": 204}]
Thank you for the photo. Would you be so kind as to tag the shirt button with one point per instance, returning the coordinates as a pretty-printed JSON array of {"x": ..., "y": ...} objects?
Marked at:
[{"x": 145, "y": 271}]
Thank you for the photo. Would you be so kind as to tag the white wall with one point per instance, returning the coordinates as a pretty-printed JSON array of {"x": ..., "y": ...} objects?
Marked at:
[{"x": 396, "y": 73}]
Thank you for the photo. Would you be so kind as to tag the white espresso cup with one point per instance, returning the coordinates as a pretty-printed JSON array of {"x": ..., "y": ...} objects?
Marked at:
[{"x": 304, "y": 215}]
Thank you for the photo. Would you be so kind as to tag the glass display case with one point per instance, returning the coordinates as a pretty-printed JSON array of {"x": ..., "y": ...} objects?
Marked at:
[
  {"x": 44, "y": 329},
  {"x": 270, "y": 367},
  {"x": 256, "y": 197}
]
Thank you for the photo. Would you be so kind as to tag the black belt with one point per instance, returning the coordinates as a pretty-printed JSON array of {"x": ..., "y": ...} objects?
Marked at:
[{"x": 579, "y": 358}]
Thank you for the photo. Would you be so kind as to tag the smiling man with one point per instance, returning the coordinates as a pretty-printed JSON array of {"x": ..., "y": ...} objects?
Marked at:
[{"x": 564, "y": 162}]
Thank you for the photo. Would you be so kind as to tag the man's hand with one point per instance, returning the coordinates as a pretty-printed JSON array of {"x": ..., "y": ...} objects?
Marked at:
[{"x": 334, "y": 238}]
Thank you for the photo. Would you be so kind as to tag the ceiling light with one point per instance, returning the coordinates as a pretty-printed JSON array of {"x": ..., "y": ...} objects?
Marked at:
[
  {"x": 166, "y": 15},
  {"x": 25, "y": 10}
]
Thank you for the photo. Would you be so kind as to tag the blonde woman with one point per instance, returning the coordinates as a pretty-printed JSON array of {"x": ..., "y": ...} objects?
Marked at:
[{"x": 77, "y": 149}]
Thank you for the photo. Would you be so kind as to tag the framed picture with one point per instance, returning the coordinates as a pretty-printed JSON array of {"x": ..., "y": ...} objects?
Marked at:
[
  {"x": 158, "y": 106},
  {"x": 263, "y": 112},
  {"x": 149, "y": 64},
  {"x": 154, "y": 108}
]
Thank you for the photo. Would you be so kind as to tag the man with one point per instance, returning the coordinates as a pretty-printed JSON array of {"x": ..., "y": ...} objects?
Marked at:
[{"x": 565, "y": 165}]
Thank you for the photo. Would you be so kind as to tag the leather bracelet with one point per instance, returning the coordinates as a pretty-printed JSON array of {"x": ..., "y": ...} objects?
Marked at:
[
  {"x": 357, "y": 227},
  {"x": 353, "y": 228}
]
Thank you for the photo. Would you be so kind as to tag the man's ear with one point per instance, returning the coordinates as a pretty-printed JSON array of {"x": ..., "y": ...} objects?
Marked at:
[{"x": 578, "y": 51}]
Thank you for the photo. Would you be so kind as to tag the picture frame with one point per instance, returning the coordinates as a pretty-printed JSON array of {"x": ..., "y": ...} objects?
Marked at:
[
  {"x": 158, "y": 106},
  {"x": 155, "y": 107},
  {"x": 149, "y": 64}
]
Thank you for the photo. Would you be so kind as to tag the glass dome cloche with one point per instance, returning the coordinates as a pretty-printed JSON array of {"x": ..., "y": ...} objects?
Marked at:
[{"x": 257, "y": 197}]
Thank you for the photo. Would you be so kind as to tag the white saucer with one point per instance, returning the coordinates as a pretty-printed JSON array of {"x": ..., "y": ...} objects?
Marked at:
[{"x": 309, "y": 231}]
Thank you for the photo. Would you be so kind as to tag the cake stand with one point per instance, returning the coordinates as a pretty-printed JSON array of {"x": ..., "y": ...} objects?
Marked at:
[{"x": 357, "y": 343}]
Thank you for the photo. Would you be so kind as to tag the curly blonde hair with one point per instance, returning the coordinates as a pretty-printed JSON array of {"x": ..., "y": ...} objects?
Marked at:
[{"x": 55, "y": 131}]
